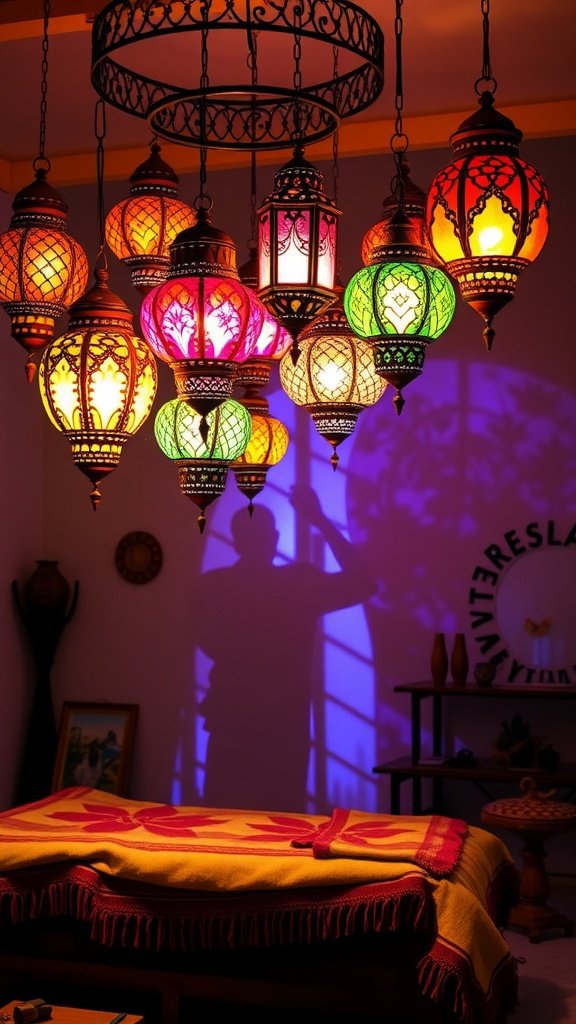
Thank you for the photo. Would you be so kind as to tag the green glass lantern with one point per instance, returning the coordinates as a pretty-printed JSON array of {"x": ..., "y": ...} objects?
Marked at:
[
  {"x": 400, "y": 301},
  {"x": 202, "y": 461}
]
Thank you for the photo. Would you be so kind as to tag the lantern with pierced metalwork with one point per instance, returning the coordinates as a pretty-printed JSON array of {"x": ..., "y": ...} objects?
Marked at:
[
  {"x": 202, "y": 461},
  {"x": 140, "y": 229},
  {"x": 334, "y": 378},
  {"x": 98, "y": 381},
  {"x": 43, "y": 270},
  {"x": 297, "y": 245},
  {"x": 487, "y": 212}
]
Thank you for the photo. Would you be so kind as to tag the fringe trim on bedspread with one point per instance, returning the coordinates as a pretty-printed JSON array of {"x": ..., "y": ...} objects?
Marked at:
[
  {"x": 447, "y": 979},
  {"x": 182, "y": 921}
]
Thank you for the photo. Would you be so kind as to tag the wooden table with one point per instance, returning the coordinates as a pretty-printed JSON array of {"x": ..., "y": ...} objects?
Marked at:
[{"x": 73, "y": 1015}]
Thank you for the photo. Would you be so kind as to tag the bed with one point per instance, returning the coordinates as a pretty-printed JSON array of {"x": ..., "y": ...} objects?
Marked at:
[{"x": 352, "y": 915}]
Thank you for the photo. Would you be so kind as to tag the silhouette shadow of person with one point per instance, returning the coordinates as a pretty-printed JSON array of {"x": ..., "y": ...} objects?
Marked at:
[{"x": 256, "y": 620}]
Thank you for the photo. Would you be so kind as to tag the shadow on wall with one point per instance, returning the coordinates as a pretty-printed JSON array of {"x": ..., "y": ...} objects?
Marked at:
[{"x": 256, "y": 620}]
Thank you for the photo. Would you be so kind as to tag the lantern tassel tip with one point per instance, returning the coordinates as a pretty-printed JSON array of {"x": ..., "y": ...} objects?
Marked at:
[
  {"x": 488, "y": 335},
  {"x": 334, "y": 459},
  {"x": 30, "y": 369},
  {"x": 399, "y": 402},
  {"x": 201, "y": 522},
  {"x": 95, "y": 497},
  {"x": 250, "y": 508}
]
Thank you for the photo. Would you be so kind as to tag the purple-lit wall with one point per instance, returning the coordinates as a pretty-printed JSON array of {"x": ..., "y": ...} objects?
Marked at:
[{"x": 485, "y": 445}]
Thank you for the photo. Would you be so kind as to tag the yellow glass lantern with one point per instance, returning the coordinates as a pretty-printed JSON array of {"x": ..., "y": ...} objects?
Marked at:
[{"x": 98, "y": 381}]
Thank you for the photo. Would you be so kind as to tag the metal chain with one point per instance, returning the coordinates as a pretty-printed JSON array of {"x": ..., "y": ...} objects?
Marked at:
[
  {"x": 41, "y": 160},
  {"x": 100, "y": 133},
  {"x": 399, "y": 138},
  {"x": 203, "y": 200},
  {"x": 297, "y": 75},
  {"x": 486, "y": 78}
]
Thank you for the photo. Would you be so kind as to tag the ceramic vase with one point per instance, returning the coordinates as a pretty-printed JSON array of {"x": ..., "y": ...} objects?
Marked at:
[
  {"x": 459, "y": 660},
  {"x": 439, "y": 660}
]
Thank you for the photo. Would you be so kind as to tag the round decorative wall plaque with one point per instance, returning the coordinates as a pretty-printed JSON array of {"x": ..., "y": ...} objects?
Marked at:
[{"x": 138, "y": 557}]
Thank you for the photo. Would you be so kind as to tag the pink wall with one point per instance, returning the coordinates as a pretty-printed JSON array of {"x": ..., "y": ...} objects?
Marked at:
[{"x": 484, "y": 445}]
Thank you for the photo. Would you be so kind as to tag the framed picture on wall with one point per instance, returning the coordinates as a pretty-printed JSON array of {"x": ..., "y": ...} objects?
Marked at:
[{"x": 95, "y": 746}]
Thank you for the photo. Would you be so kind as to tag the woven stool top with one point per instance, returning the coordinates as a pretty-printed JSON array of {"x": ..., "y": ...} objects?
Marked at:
[{"x": 535, "y": 808}]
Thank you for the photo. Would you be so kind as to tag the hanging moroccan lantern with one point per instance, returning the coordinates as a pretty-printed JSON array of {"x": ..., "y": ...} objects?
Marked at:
[
  {"x": 202, "y": 461},
  {"x": 297, "y": 244},
  {"x": 487, "y": 212},
  {"x": 334, "y": 377},
  {"x": 202, "y": 320},
  {"x": 400, "y": 301},
  {"x": 98, "y": 381},
  {"x": 43, "y": 270},
  {"x": 140, "y": 229}
]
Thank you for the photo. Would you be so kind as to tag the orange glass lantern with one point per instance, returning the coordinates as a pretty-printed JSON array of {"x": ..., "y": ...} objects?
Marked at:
[
  {"x": 139, "y": 230},
  {"x": 98, "y": 382},
  {"x": 43, "y": 270}
]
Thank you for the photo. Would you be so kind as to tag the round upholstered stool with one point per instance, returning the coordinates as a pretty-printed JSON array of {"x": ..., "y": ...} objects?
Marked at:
[{"x": 536, "y": 818}]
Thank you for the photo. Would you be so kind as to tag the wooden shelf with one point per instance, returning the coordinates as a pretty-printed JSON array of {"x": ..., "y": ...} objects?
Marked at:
[{"x": 482, "y": 770}]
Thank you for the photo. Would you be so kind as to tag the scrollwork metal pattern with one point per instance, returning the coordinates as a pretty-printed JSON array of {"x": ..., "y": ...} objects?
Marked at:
[{"x": 239, "y": 115}]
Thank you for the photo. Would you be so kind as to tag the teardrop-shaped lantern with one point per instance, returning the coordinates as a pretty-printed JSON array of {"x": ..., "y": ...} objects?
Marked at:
[
  {"x": 202, "y": 461},
  {"x": 43, "y": 270},
  {"x": 98, "y": 381},
  {"x": 140, "y": 229},
  {"x": 487, "y": 212}
]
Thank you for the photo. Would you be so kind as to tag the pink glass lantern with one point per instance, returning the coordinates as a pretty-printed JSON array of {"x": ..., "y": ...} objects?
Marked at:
[{"x": 202, "y": 320}]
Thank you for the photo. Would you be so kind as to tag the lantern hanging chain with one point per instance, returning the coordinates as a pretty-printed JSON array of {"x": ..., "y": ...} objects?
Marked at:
[
  {"x": 252, "y": 61},
  {"x": 41, "y": 162},
  {"x": 335, "y": 169},
  {"x": 399, "y": 138},
  {"x": 297, "y": 75},
  {"x": 100, "y": 133},
  {"x": 203, "y": 200},
  {"x": 486, "y": 82}
]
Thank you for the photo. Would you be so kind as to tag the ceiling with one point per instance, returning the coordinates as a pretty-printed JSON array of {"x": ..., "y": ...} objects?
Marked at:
[{"x": 531, "y": 50}]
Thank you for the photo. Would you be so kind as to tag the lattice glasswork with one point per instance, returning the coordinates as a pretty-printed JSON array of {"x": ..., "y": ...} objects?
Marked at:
[
  {"x": 334, "y": 377},
  {"x": 43, "y": 270},
  {"x": 140, "y": 229},
  {"x": 202, "y": 456},
  {"x": 98, "y": 382},
  {"x": 487, "y": 212},
  {"x": 398, "y": 300}
]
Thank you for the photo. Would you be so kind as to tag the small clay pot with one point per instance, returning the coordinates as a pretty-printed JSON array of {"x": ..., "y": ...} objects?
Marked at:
[{"x": 484, "y": 673}]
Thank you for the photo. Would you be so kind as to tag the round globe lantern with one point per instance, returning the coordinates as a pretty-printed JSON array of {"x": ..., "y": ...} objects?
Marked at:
[
  {"x": 43, "y": 270},
  {"x": 202, "y": 461}
]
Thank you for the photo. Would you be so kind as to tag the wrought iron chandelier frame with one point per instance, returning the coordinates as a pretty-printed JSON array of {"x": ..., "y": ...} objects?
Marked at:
[{"x": 241, "y": 115}]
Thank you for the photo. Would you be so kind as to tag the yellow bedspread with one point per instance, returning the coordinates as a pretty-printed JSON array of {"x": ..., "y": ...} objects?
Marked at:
[{"x": 224, "y": 850}]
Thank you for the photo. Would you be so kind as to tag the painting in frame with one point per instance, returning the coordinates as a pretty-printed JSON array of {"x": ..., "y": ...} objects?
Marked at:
[{"x": 95, "y": 746}]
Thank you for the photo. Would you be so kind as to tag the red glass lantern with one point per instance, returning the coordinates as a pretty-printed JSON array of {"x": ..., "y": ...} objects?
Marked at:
[
  {"x": 140, "y": 229},
  {"x": 98, "y": 381},
  {"x": 43, "y": 270},
  {"x": 487, "y": 212},
  {"x": 297, "y": 244}
]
